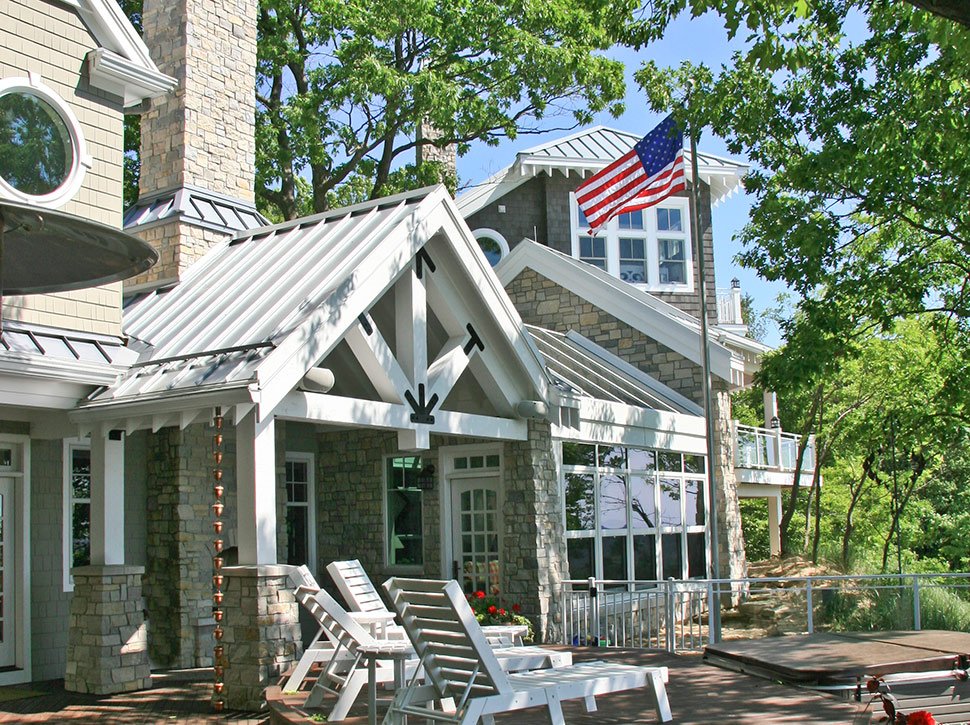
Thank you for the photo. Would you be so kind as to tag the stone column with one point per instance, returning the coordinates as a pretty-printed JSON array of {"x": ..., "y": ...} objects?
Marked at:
[
  {"x": 535, "y": 543},
  {"x": 730, "y": 546},
  {"x": 107, "y": 649},
  {"x": 262, "y": 637}
]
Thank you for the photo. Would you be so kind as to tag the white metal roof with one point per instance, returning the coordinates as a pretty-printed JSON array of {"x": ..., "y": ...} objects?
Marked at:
[
  {"x": 257, "y": 312},
  {"x": 597, "y": 373},
  {"x": 195, "y": 206},
  {"x": 585, "y": 153}
]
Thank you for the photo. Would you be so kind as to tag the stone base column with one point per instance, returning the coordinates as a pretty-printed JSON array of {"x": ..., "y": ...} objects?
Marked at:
[
  {"x": 261, "y": 632},
  {"x": 107, "y": 646}
]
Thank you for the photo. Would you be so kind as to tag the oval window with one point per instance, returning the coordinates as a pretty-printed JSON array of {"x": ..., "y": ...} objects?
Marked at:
[{"x": 42, "y": 155}]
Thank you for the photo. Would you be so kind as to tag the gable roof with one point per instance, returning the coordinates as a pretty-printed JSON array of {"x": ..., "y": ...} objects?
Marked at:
[
  {"x": 122, "y": 65},
  {"x": 586, "y": 152},
  {"x": 254, "y": 315},
  {"x": 655, "y": 318}
]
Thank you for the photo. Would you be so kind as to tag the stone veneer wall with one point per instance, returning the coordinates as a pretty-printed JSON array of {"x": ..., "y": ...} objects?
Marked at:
[
  {"x": 50, "y": 39},
  {"x": 178, "y": 246},
  {"x": 535, "y": 543},
  {"x": 544, "y": 303},
  {"x": 730, "y": 545},
  {"x": 350, "y": 514},
  {"x": 178, "y": 578}
]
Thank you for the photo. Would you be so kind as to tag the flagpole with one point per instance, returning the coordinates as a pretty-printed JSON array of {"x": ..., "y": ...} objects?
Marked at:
[{"x": 706, "y": 358}]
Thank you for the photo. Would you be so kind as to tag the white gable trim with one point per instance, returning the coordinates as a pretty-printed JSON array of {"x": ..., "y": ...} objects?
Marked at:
[
  {"x": 658, "y": 320},
  {"x": 123, "y": 65}
]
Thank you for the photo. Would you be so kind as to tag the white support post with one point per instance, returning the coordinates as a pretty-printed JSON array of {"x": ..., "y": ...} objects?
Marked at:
[
  {"x": 411, "y": 318},
  {"x": 774, "y": 524},
  {"x": 107, "y": 497},
  {"x": 256, "y": 489}
]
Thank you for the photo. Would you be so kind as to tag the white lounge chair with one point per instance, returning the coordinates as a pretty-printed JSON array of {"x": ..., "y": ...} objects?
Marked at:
[
  {"x": 459, "y": 664},
  {"x": 362, "y": 596},
  {"x": 345, "y": 673},
  {"x": 320, "y": 649}
]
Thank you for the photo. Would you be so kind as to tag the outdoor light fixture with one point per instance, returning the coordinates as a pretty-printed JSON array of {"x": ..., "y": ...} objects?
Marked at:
[{"x": 774, "y": 423}]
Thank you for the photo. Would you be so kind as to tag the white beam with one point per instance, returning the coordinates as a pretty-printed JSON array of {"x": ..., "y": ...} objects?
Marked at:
[
  {"x": 411, "y": 323},
  {"x": 414, "y": 439},
  {"x": 256, "y": 489},
  {"x": 338, "y": 410},
  {"x": 107, "y": 497},
  {"x": 378, "y": 362},
  {"x": 445, "y": 371}
]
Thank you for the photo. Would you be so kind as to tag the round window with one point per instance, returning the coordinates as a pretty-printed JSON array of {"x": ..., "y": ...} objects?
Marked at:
[{"x": 42, "y": 157}]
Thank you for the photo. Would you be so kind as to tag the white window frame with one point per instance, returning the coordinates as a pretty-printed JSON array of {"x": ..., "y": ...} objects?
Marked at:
[
  {"x": 611, "y": 233},
  {"x": 385, "y": 513},
  {"x": 491, "y": 234},
  {"x": 310, "y": 505},
  {"x": 33, "y": 85},
  {"x": 67, "y": 529}
]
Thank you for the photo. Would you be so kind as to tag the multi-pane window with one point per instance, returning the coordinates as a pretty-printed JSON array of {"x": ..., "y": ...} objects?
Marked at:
[
  {"x": 634, "y": 514},
  {"x": 648, "y": 247},
  {"x": 405, "y": 522},
  {"x": 77, "y": 507},
  {"x": 299, "y": 509}
]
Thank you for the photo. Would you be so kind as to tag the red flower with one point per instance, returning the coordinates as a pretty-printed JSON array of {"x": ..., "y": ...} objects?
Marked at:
[
  {"x": 479, "y": 595},
  {"x": 516, "y": 608},
  {"x": 492, "y": 609},
  {"x": 920, "y": 717},
  {"x": 502, "y": 612}
]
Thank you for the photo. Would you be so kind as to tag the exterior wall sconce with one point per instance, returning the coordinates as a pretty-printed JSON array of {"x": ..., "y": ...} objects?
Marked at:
[{"x": 774, "y": 423}]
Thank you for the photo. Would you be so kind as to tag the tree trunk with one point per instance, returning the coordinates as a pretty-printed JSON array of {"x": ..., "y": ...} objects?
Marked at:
[{"x": 792, "y": 505}]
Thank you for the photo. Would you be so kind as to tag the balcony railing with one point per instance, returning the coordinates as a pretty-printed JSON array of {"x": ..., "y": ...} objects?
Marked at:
[{"x": 770, "y": 449}]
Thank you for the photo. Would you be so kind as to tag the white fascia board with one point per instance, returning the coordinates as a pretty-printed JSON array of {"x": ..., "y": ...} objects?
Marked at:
[
  {"x": 144, "y": 409},
  {"x": 18, "y": 391},
  {"x": 113, "y": 30},
  {"x": 337, "y": 410},
  {"x": 114, "y": 74},
  {"x": 56, "y": 369},
  {"x": 672, "y": 328},
  {"x": 492, "y": 189},
  {"x": 605, "y": 422}
]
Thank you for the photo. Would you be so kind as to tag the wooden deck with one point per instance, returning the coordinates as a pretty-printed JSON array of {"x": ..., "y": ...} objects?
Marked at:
[
  {"x": 700, "y": 694},
  {"x": 830, "y": 659}
]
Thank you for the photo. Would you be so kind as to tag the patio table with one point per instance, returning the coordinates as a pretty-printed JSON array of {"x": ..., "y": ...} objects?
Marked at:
[{"x": 397, "y": 651}]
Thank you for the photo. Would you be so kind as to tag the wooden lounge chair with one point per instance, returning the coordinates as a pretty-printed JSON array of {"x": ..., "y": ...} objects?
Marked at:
[
  {"x": 346, "y": 671},
  {"x": 459, "y": 664},
  {"x": 320, "y": 649},
  {"x": 362, "y": 596}
]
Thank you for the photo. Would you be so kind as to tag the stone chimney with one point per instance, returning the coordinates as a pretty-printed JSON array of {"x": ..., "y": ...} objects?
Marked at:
[
  {"x": 428, "y": 152},
  {"x": 197, "y": 145}
]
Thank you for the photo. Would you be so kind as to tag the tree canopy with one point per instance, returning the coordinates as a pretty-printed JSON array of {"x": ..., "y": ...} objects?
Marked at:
[
  {"x": 861, "y": 149},
  {"x": 343, "y": 87}
]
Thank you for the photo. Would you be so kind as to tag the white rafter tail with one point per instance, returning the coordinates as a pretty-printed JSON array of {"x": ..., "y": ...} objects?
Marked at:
[
  {"x": 240, "y": 411},
  {"x": 186, "y": 417},
  {"x": 163, "y": 421},
  {"x": 378, "y": 362},
  {"x": 445, "y": 371}
]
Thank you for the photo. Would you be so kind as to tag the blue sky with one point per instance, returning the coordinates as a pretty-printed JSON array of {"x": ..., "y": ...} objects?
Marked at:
[{"x": 699, "y": 40}]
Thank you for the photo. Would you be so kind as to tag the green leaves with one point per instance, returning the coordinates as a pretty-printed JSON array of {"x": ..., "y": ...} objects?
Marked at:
[{"x": 343, "y": 87}]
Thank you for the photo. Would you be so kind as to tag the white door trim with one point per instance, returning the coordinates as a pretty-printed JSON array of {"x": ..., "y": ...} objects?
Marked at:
[
  {"x": 19, "y": 470},
  {"x": 446, "y": 456}
]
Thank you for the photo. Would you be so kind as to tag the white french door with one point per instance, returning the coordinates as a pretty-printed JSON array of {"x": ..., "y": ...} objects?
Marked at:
[{"x": 476, "y": 506}]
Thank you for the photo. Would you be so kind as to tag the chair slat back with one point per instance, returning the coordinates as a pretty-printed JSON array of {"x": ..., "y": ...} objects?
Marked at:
[
  {"x": 338, "y": 625},
  {"x": 355, "y": 586},
  {"x": 456, "y": 656},
  {"x": 302, "y": 577}
]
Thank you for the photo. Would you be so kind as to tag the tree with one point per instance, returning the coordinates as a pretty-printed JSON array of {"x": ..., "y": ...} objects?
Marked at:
[
  {"x": 861, "y": 148},
  {"x": 344, "y": 87}
]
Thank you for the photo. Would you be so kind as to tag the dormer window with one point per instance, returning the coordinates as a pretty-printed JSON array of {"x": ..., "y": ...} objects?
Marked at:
[
  {"x": 649, "y": 248},
  {"x": 42, "y": 153}
]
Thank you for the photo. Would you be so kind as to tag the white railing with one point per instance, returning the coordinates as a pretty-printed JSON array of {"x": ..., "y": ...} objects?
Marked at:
[
  {"x": 677, "y": 615},
  {"x": 771, "y": 449},
  {"x": 729, "y": 307}
]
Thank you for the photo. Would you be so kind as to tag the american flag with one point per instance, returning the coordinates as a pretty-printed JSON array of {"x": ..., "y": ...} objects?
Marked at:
[{"x": 645, "y": 175}]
